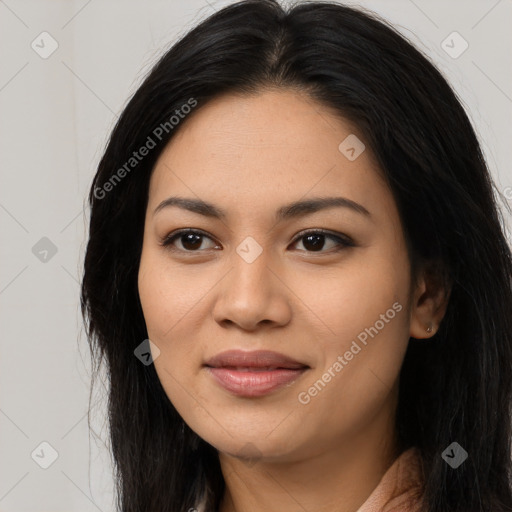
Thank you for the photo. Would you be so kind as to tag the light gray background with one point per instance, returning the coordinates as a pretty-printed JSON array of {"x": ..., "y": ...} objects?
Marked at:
[{"x": 55, "y": 116}]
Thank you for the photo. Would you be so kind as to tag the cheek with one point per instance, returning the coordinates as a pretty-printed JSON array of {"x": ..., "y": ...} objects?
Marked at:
[
  {"x": 171, "y": 301},
  {"x": 154, "y": 301},
  {"x": 365, "y": 310},
  {"x": 360, "y": 368},
  {"x": 165, "y": 313},
  {"x": 167, "y": 294},
  {"x": 346, "y": 300}
]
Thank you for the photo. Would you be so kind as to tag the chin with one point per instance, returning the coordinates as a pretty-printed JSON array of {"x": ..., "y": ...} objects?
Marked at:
[{"x": 250, "y": 442}]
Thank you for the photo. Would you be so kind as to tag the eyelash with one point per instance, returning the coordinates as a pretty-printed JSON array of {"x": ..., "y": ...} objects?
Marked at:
[{"x": 342, "y": 240}]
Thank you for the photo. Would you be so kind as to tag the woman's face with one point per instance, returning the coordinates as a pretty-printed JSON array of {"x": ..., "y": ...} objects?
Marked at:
[{"x": 252, "y": 280}]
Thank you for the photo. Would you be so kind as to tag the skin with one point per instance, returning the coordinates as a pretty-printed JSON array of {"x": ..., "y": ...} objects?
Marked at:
[{"x": 250, "y": 155}]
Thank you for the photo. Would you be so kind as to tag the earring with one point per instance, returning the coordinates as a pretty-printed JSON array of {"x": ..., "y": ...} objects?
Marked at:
[{"x": 430, "y": 327}]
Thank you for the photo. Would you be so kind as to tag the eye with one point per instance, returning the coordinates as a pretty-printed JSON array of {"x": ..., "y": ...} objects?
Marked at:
[
  {"x": 190, "y": 240},
  {"x": 314, "y": 240}
]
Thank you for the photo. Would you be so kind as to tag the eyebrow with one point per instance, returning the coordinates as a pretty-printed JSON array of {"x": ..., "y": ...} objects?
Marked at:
[{"x": 288, "y": 211}]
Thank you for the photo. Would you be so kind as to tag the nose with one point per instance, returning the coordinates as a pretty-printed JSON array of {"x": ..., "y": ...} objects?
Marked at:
[{"x": 253, "y": 294}]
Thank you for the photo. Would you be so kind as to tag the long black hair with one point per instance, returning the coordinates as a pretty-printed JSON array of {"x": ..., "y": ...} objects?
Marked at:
[{"x": 455, "y": 387}]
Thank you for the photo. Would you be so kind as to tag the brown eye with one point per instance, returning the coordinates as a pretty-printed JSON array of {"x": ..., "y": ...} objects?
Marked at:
[
  {"x": 190, "y": 240},
  {"x": 314, "y": 241}
]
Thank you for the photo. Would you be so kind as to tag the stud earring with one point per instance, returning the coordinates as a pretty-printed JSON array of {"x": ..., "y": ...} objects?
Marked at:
[{"x": 430, "y": 327}]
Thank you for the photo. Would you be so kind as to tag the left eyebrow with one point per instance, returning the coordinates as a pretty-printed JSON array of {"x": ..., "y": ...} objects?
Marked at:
[
  {"x": 288, "y": 211},
  {"x": 301, "y": 208}
]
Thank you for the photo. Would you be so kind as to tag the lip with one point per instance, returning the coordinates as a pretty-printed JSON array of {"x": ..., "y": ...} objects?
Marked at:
[
  {"x": 253, "y": 359},
  {"x": 255, "y": 373}
]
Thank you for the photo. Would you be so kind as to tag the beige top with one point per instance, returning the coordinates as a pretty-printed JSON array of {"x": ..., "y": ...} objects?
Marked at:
[
  {"x": 399, "y": 490},
  {"x": 401, "y": 487}
]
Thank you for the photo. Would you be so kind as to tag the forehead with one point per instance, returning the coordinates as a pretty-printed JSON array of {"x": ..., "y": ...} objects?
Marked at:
[{"x": 258, "y": 150}]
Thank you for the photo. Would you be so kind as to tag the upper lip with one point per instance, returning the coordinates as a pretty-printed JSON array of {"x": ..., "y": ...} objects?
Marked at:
[{"x": 253, "y": 359}]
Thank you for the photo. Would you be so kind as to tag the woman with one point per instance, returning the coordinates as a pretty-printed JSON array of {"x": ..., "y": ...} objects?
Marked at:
[{"x": 298, "y": 278}]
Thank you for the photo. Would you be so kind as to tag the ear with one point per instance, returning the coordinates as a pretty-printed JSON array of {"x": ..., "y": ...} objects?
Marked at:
[{"x": 429, "y": 301}]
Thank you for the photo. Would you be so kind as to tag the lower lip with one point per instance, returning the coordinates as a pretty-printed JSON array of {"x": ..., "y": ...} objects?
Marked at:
[{"x": 254, "y": 383}]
